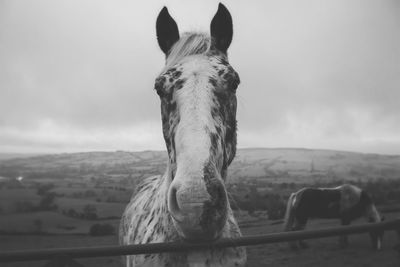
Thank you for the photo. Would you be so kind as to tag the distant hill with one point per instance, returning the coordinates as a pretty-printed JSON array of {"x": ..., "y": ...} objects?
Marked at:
[
  {"x": 256, "y": 164},
  {"x": 4, "y": 156},
  {"x": 298, "y": 165}
]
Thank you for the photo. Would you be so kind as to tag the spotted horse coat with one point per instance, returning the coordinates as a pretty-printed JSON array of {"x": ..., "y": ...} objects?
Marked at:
[{"x": 197, "y": 90}]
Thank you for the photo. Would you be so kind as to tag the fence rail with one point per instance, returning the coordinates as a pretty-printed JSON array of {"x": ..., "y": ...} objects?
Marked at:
[{"x": 107, "y": 251}]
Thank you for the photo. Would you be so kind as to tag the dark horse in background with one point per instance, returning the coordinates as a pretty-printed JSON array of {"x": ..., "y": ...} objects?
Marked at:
[{"x": 345, "y": 202}]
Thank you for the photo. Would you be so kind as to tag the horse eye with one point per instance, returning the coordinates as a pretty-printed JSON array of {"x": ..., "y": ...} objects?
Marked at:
[
  {"x": 233, "y": 81},
  {"x": 159, "y": 86},
  {"x": 160, "y": 92},
  {"x": 233, "y": 85}
]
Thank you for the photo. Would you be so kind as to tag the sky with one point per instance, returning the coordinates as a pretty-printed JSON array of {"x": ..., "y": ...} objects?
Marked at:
[{"x": 78, "y": 75}]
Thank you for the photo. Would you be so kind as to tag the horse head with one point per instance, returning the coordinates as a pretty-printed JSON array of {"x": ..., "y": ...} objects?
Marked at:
[{"x": 198, "y": 108}]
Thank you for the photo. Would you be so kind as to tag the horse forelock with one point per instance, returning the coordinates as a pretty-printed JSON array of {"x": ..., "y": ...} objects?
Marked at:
[{"x": 189, "y": 44}]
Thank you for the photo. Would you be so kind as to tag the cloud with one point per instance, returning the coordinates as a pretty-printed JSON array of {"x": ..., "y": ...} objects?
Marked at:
[
  {"x": 313, "y": 74},
  {"x": 52, "y": 137}
]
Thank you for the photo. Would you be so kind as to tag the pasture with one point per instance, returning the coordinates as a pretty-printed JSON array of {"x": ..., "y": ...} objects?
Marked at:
[
  {"x": 47, "y": 222},
  {"x": 322, "y": 252},
  {"x": 258, "y": 176},
  {"x": 104, "y": 209},
  {"x": 11, "y": 198}
]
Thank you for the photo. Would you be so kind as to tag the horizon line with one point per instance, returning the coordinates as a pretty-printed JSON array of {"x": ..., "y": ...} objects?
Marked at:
[{"x": 164, "y": 150}]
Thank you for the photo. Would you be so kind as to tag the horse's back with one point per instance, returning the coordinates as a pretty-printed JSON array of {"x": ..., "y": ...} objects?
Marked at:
[
  {"x": 347, "y": 201},
  {"x": 315, "y": 202}
]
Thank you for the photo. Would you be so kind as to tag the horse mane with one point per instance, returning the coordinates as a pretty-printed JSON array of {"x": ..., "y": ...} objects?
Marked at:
[{"x": 190, "y": 43}]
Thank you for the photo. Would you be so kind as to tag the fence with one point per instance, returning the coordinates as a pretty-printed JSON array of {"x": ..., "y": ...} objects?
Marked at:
[{"x": 65, "y": 256}]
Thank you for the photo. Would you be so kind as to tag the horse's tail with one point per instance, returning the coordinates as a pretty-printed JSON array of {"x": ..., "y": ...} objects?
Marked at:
[
  {"x": 289, "y": 216},
  {"x": 371, "y": 212},
  {"x": 373, "y": 216}
]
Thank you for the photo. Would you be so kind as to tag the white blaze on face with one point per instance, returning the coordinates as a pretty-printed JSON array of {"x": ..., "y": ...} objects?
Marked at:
[
  {"x": 189, "y": 197},
  {"x": 194, "y": 103}
]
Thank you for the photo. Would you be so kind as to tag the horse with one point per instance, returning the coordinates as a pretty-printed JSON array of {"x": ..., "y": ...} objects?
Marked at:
[
  {"x": 346, "y": 203},
  {"x": 189, "y": 202}
]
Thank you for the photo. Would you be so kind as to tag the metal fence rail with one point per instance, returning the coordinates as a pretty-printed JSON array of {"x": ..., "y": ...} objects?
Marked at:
[{"x": 107, "y": 251}]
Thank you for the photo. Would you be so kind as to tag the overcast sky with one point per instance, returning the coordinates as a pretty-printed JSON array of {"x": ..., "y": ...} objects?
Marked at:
[{"x": 79, "y": 75}]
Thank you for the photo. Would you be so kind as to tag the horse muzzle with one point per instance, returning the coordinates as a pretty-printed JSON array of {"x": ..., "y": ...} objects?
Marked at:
[{"x": 198, "y": 211}]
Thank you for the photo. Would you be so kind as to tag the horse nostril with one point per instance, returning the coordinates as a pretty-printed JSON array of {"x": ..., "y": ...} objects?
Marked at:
[{"x": 173, "y": 206}]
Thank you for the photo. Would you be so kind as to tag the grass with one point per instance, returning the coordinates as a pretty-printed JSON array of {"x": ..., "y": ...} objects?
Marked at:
[
  {"x": 10, "y": 197},
  {"x": 51, "y": 222},
  {"x": 28, "y": 242},
  {"x": 104, "y": 209}
]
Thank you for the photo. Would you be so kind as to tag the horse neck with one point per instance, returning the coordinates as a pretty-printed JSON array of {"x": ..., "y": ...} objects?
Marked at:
[{"x": 153, "y": 213}]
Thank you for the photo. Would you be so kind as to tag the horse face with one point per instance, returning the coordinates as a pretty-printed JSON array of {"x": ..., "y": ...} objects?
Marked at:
[{"x": 198, "y": 108}]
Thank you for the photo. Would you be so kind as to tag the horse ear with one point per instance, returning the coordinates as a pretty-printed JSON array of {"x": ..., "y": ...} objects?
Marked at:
[
  {"x": 221, "y": 28},
  {"x": 167, "y": 31}
]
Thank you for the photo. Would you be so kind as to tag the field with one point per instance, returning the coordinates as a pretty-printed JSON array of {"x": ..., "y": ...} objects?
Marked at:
[
  {"x": 104, "y": 209},
  {"x": 51, "y": 201},
  {"x": 322, "y": 252},
  {"x": 26, "y": 242},
  {"x": 10, "y": 198},
  {"x": 51, "y": 223}
]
